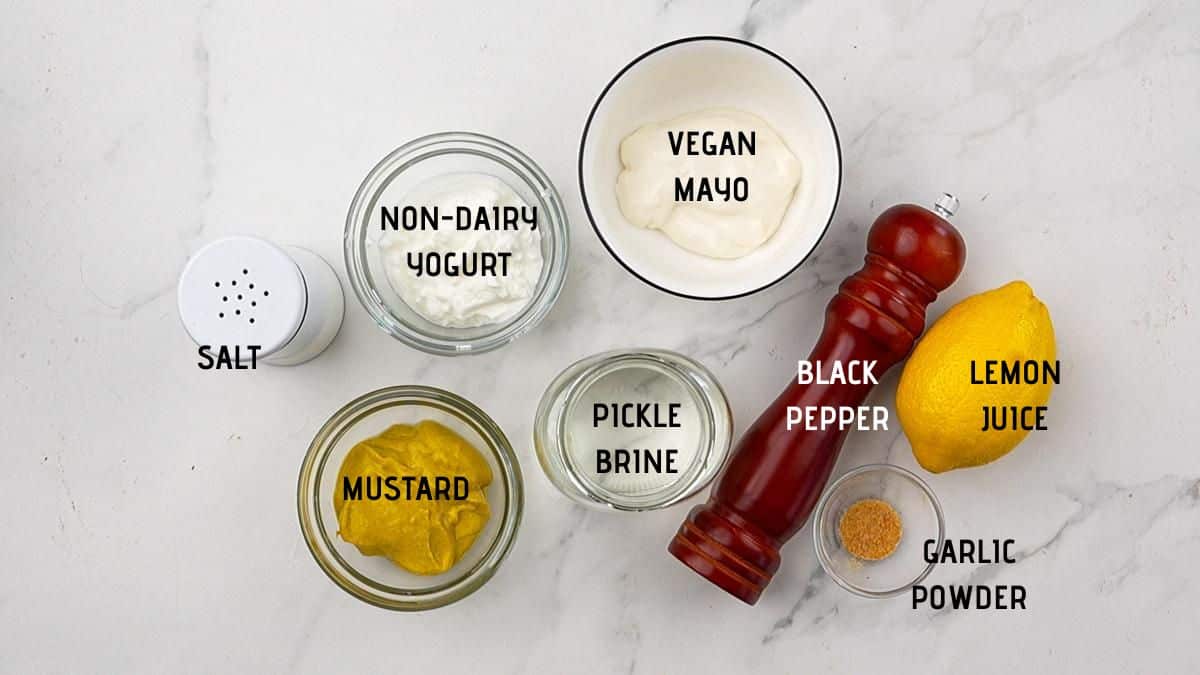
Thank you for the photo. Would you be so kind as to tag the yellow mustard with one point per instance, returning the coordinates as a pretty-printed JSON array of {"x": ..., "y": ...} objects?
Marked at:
[{"x": 415, "y": 493}]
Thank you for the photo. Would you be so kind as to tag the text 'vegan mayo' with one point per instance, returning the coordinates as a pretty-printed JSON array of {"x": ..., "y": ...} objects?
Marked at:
[{"x": 717, "y": 182}]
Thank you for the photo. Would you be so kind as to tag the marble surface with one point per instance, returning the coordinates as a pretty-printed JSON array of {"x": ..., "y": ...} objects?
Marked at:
[{"x": 150, "y": 523}]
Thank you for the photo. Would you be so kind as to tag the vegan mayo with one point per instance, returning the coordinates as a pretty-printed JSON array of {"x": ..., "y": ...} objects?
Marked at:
[{"x": 717, "y": 182}]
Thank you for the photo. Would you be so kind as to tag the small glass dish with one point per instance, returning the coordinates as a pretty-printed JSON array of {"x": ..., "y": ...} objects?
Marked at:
[
  {"x": 374, "y": 579},
  {"x": 920, "y": 517},
  {"x": 566, "y": 449},
  {"x": 412, "y": 165}
]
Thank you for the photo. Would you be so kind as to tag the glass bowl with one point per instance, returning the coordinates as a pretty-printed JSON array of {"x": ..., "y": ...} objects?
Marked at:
[
  {"x": 374, "y": 579},
  {"x": 565, "y": 455},
  {"x": 402, "y": 171},
  {"x": 920, "y": 517}
]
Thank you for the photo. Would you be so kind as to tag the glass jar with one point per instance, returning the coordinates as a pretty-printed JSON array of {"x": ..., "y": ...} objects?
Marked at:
[{"x": 571, "y": 430}]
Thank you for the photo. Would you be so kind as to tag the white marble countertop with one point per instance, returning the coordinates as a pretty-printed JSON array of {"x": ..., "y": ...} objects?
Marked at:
[{"x": 150, "y": 520}]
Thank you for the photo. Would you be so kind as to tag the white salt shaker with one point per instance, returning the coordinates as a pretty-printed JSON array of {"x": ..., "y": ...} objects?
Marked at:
[{"x": 245, "y": 291}]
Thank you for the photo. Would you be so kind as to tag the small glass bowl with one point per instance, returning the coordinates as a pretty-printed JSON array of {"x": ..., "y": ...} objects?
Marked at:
[
  {"x": 563, "y": 463},
  {"x": 411, "y": 165},
  {"x": 374, "y": 579},
  {"x": 920, "y": 518}
]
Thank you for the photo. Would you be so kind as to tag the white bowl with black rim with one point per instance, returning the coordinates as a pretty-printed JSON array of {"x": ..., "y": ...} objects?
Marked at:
[{"x": 695, "y": 74}]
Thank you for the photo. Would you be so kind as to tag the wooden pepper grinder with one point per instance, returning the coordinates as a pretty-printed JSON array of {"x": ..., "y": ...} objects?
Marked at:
[{"x": 776, "y": 476}]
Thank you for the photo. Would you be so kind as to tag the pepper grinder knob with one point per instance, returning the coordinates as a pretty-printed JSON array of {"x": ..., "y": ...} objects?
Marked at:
[
  {"x": 946, "y": 205},
  {"x": 921, "y": 242}
]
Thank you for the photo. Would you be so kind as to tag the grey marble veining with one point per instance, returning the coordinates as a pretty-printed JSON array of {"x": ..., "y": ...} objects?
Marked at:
[{"x": 150, "y": 522}]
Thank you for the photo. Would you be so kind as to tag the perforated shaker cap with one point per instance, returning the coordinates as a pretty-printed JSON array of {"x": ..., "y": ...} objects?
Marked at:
[{"x": 242, "y": 291}]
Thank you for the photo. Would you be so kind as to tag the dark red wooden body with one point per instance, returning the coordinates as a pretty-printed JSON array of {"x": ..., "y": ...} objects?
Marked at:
[{"x": 775, "y": 476}]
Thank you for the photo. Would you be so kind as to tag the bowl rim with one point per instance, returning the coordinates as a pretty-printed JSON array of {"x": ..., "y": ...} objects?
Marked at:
[
  {"x": 438, "y": 144},
  {"x": 823, "y": 504},
  {"x": 837, "y": 143},
  {"x": 471, "y": 579},
  {"x": 557, "y": 402}
]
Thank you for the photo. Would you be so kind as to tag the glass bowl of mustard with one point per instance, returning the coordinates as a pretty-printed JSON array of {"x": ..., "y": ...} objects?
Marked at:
[
  {"x": 872, "y": 527},
  {"x": 440, "y": 528}
]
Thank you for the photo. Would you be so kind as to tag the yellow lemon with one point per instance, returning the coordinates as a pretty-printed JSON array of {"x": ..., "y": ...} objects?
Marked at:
[{"x": 942, "y": 412}]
